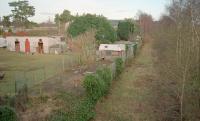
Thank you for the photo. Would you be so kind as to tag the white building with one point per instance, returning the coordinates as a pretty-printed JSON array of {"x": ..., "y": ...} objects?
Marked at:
[
  {"x": 29, "y": 44},
  {"x": 3, "y": 42},
  {"x": 112, "y": 51}
]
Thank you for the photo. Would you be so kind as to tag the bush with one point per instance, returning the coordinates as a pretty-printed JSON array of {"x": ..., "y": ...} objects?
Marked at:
[
  {"x": 94, "y": 87},
  {"x": 105, "y": 32},
  {"x": 119, "y": 66},
  {"x": 125, "y": 28},
  {"x": 105, "y": 75},
  {"x": 7, "y": 114},
  {"x": 97, "y": 85}
]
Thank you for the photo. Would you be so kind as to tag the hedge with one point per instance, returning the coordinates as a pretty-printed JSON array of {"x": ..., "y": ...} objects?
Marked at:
[
  {"x": 96, "y": 85},
  {"x": 119, "y": 66},
  {"x": 7, "y": 114}
]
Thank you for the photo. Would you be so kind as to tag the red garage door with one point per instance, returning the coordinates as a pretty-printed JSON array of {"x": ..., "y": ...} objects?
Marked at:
[{"x": 27, "y": 46}]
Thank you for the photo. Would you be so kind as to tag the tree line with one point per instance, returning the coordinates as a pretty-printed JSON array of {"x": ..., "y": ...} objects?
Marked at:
[
  {"x": 178, "y": 49},
  {"x": 105, "y": 33}
]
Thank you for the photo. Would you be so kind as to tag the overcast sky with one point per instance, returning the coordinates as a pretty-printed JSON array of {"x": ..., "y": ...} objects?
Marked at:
[{"x": 112, "y": 9}]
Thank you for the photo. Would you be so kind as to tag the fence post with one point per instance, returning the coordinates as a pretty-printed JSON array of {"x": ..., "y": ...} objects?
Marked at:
[
  {"x": 63, "y": 63},
  {"x": 44, "y": 71},
  {"x": 15, "y": 82}
]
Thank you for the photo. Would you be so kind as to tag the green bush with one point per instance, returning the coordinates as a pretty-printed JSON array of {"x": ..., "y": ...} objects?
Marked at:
[
  {"x": 125, "y": 28},
  {"x": 7, "y": 114},
  {"x": 119, "y": 66},
  {"x": 94, "y": 87},
  {"x": 105, "y": 75},
  {"x": 105, "y": 32},
  {"x": 97, "y": 85}
]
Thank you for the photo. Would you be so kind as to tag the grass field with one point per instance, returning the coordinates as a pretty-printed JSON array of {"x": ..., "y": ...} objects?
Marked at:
[{"x": 30, "y": 69}]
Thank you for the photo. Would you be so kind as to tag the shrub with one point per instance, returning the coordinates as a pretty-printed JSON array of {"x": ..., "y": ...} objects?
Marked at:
[
  {"x": 7, "y": 114},
  {"x": 119, "y": 66},
  {"x": 125, "y": 28},
  {"x": 105, "y": 33},
  {"x": 94, "y": 87},
  {"x": 105, "y": 75},
  {"x": 97, "y": 85}
]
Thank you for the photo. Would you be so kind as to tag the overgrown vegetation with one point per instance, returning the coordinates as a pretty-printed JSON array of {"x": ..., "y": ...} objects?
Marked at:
[
  {"x": 84, "y": 47},
  {"x": 125, "y": 29},
  {"x": 104, "y": 30},
  {"x": 177, "y": 43}
]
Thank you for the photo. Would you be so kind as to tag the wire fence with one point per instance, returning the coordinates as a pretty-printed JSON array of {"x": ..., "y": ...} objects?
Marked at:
[{"x": 35, "y": 76}]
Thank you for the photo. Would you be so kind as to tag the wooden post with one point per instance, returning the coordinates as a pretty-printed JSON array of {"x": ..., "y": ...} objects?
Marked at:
[
  {"x": 15, "y": 83},
  {"x": 44, "y": 70},
  {"x": 63, "y": 63}
]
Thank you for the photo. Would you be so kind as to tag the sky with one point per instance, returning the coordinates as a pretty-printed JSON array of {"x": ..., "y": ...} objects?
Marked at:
[{"x": 112, "y": 9}]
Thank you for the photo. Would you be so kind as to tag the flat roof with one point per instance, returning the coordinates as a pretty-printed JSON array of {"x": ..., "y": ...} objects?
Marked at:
[{"x": 113, "y": 47}]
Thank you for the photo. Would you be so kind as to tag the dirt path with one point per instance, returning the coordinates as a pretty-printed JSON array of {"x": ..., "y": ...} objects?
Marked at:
[{"x": 132, "y": 97}]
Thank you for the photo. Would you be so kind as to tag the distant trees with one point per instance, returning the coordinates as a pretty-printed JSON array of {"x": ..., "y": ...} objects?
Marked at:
[
  {"x": 21, "y": 12},
  {"x": 6, "y": 21},
  {"x": 63, "y": 18},
  {"x": 105, "y": 33},
  {"x": 145, "y": 23},
  {"x": 125, "y": 29}
]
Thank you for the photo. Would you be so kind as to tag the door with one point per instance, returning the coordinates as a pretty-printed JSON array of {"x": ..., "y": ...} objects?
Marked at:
[
  {"x": 27, "y": 46},
  {"x": 40, "y": 47},
  {"x": 17, "y": 46}
]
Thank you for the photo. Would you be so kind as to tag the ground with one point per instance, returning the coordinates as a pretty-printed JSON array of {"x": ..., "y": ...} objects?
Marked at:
[{"x": 132, "y": 97}]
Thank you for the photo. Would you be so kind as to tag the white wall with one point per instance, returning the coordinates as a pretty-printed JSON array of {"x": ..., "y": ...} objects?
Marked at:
[
  {"x": 47, "y": 42},
  {"x": 2, "y": 42}
]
